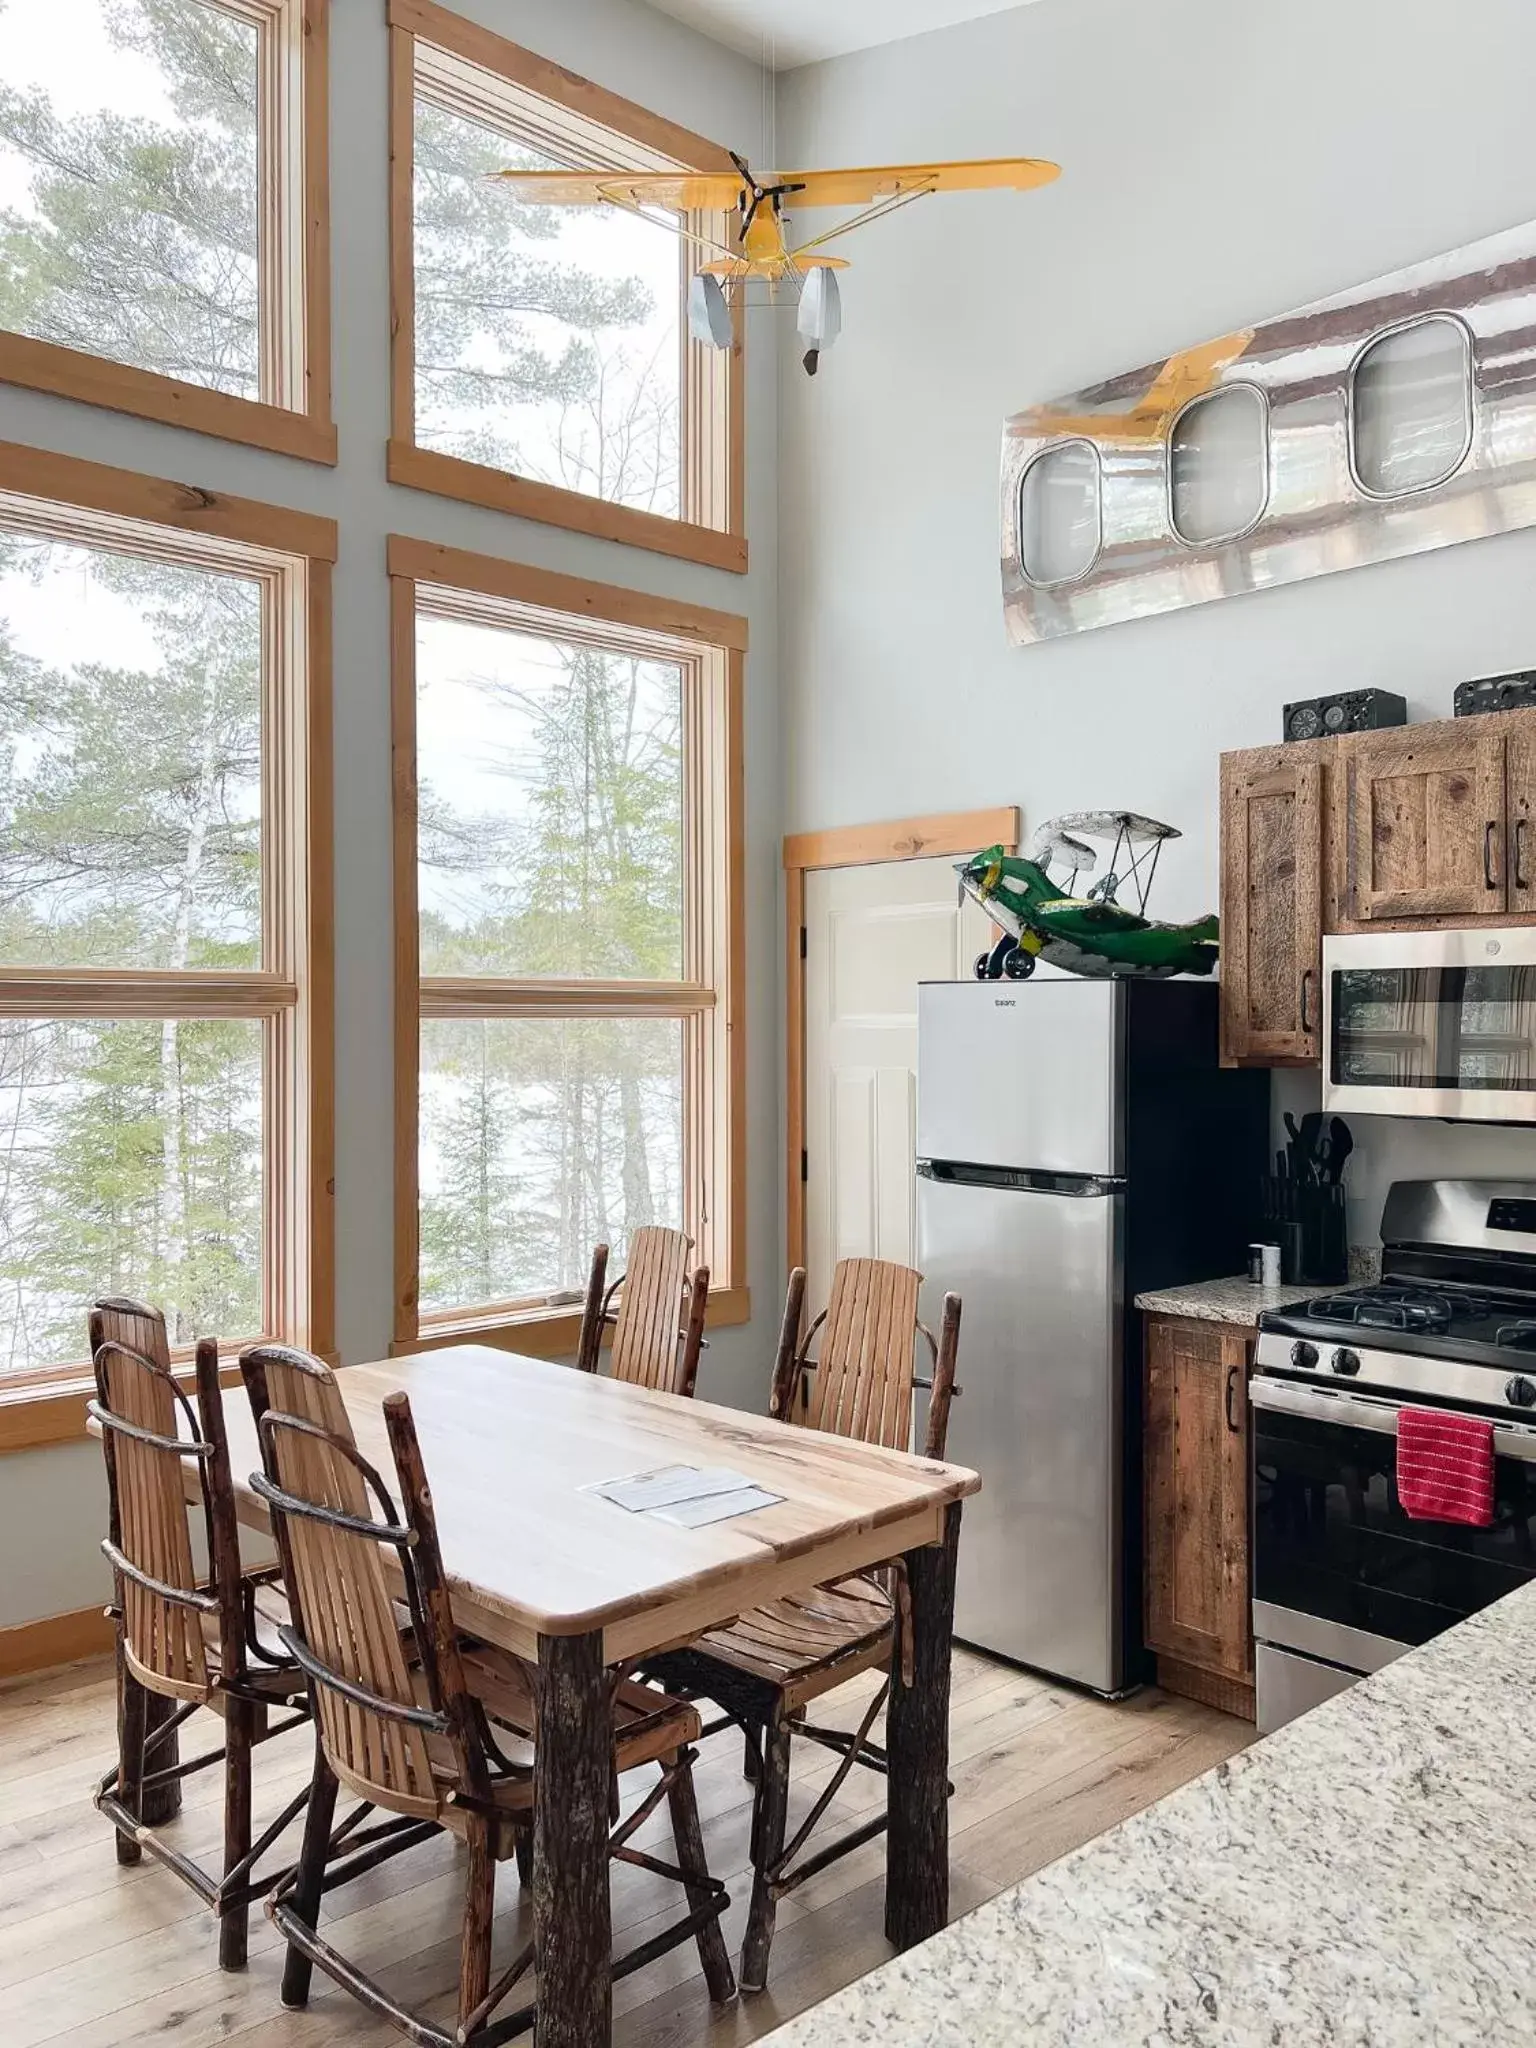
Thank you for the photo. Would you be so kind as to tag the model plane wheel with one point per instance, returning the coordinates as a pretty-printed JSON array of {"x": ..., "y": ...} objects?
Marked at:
[
  {"x": 1018, "y": 965},
  {"x": 989, "y": 966},
  {"x": 984, "y": 966}
]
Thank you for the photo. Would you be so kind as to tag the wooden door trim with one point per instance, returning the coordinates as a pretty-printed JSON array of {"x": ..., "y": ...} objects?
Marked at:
[{"x": 854, "y": 846}]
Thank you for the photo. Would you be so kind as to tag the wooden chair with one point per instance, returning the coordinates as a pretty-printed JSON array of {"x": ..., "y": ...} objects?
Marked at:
[
  {"x": 412, "y": 1722},
  {"x": 767, "y": 1666},
  {"x": 654, "y": 1343},
  {"x": 183, "y": 1639}
]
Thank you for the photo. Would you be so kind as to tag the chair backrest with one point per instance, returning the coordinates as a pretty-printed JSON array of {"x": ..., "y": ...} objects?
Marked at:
[
  {"x": 862, "y": 1380},
  {"x": 658, "y": 1323},
  {"x": 335, "y": 1521},
  {"x": 141, "y": 1409}
]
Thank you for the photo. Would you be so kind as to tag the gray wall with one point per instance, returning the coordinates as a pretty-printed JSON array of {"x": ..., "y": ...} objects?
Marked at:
[
  {"x": 50, "y": 1502},
  {"x": 1222, "y": 163}
]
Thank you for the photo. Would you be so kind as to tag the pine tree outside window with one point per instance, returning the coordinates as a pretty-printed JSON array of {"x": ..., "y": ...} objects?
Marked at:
[
  {"x": 542, "y": 363},
  {"x": 163, "y": 212},
  {"x": 164, "y": 864},
  {"x": 568, "y": 942}
]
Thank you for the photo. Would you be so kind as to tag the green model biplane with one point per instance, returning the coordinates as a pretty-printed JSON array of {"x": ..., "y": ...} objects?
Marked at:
[{"x": 1093, "y": 934}]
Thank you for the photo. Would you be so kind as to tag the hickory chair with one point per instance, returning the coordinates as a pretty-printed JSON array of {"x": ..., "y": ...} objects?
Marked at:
[
  {"x": 412, "y": 1720},
  {"x": 766, "y": 1667},
  {"x": 184, "y": 1640},
  {"x": 653, "y": 1344}
]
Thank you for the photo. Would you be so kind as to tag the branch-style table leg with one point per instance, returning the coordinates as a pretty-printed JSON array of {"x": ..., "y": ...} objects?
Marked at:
[
  {"x": 140, "y": 1714},
  {"x": 574, "y": 1769},
  {"x": 917, "y": 1741}
]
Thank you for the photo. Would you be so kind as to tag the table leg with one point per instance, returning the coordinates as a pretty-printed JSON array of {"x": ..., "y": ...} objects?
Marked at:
[
  {"x": 140, "y": 1713},
  {"x": 573, "y": 1775},
  {"x": 917, "y": 1741}
]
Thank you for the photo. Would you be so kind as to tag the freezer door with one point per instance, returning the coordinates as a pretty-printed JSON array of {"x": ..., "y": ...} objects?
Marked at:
[
  {"x": 1039, "y": 1417},
  {"x": 1021, "y": 1074}
]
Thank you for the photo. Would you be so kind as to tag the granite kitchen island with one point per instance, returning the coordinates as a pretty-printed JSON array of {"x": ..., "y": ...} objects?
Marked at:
[{"x": 1365, "y": 1878}]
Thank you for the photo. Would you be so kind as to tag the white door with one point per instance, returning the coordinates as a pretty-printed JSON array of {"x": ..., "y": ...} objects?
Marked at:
[{"x": 872, "y": 934}]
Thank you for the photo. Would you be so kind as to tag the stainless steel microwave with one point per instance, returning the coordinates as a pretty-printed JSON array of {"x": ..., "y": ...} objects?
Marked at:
[{"x": 1438, "y": 1023}]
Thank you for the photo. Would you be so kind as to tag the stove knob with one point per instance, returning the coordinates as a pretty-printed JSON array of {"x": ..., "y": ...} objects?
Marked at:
[
  {"x": 1303, "y": 1353},
  {"x": 1520, "y": 1392},
  {"x": 1346, "y": 1362}
]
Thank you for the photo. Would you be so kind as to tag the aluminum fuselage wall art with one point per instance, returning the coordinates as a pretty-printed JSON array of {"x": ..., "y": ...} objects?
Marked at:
[{"x": 1387, "y": 420}]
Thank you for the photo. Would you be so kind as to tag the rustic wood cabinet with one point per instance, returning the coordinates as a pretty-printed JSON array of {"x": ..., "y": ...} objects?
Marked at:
[
  {"x": 1197, "y": 1611},
  {"x": 1413, "y": 827},
  {"x": 1425, "y": 824},
  {"x": 1271, "y": 905}
]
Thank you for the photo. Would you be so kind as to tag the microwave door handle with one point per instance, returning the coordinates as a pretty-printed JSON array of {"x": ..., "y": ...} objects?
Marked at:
[{"x": 1357, "y": 1411}]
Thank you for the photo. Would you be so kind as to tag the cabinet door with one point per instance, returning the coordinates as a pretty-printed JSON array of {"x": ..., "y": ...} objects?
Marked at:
[
  {"x": 1197, "y": 1604},
  {"x": 1271, "y": 910},
  {"x": 1426, "y": 831},
  {"x": 1520, "y": 811}
]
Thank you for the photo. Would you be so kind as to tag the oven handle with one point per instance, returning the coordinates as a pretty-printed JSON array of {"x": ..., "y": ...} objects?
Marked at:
[{"x": 1367, "y": 1411}]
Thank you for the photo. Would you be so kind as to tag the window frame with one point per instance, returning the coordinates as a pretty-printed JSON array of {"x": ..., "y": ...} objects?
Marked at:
[
  {"x": 1435, "y": 317},
  {"x": 711, "y": 527},
  {"x": 291, "y": 555},
  {"x": 1044, "y": 455},
  {"x": 711, "y": 648},
  {"x": 293, "y": 414}
]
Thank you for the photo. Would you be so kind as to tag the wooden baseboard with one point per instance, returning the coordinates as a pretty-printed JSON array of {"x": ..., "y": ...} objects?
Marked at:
[
  {"x": 1230, "y": 1695},
  {"x": 54, "y": 1639}
]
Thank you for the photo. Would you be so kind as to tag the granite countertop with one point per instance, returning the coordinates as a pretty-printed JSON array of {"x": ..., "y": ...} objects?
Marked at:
[
  {"x": 1238, "y": 1300},
  {"x": 1225, "y": 1301},
  {"x": 1365, "y": 1878}
]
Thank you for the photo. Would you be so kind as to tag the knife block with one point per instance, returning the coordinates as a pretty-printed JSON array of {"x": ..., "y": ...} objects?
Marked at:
[{"x": 1307, "y": 1220}]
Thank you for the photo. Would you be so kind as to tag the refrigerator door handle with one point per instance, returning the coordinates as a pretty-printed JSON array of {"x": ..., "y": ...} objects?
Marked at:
[{"x": 1025, "y": 1179}]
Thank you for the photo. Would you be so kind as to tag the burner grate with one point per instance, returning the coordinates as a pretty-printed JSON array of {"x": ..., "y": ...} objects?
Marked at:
[{"x": 1394, "y": 1308}]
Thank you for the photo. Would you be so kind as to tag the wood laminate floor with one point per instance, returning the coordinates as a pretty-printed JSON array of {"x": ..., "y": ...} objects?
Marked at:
[{"x": 93, "y": 1956}]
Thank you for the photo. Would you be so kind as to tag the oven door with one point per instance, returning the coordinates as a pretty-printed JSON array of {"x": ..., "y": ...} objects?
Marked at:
[
  {"x": 1436, "y": 1023},
  {"x": 1332, "y": 1544}
]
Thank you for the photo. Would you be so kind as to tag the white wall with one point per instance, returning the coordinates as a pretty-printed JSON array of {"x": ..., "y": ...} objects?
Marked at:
[
  {"x": 51, "y": 1513},
  {"x": 1222, "y": 163}
]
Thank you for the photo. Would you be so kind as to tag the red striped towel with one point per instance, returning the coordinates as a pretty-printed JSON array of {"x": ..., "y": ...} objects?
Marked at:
[{"x": 1445, "y": 1467}]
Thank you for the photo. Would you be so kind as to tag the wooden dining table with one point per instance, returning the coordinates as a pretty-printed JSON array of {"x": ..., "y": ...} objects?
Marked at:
[{"x": 543, "y": 1566}]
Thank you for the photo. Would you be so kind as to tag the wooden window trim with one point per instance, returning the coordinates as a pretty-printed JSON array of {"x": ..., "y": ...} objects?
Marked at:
[
  {"x": 711, "y": 649},
  {"x": 294, "y": 242},
  {"x": 713, "y": 397},
  {"x": 291, "y": 553},
  {"x": 850, "y": 846}
]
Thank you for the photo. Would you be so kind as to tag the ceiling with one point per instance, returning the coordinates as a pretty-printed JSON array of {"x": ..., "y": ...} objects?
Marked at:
[{"x": 784, "y": 33}]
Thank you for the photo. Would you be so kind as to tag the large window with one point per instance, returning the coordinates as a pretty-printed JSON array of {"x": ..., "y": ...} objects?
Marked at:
[
  {"x": 162, "y": 209},
  {"x": 163, "y": 1002},
  {"x": 541, "y": 359},
  {"x": 568, "y": 795}
]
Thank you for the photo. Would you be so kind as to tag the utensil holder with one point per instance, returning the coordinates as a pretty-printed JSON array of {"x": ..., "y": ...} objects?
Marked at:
[{"x": 1307, "y": 1221}]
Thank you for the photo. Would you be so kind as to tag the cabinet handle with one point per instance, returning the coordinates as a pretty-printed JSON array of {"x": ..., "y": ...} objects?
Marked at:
[
  {"x": 1520, "y": 876},
  {"x": 1307, "y": 1026},
  {"x": 1489, "y": 876},
  {"x": 1232, "y": 1372}
]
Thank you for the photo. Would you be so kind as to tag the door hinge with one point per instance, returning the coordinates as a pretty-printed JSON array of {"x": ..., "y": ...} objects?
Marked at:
[
  {"x": 805, "y": 1164},
  {"x": 802, "y": 942}
]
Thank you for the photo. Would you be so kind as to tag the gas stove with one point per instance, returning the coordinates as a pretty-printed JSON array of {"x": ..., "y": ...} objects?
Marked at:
[
  {"x": 1453, "y": 1318},
  {"x": 1344, "y": 1578}
]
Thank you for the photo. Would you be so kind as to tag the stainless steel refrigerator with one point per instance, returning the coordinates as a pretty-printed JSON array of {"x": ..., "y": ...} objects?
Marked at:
[{"x": 1077, "y": 1144}]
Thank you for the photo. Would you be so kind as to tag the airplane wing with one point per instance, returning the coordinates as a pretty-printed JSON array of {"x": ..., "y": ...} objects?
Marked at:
[
  {"x": 681, "y": 191},
  {"x": 891, "y": 181}
]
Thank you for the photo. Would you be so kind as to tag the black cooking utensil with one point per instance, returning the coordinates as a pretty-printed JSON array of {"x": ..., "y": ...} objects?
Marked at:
[{"x": 1340, "y": 1144}]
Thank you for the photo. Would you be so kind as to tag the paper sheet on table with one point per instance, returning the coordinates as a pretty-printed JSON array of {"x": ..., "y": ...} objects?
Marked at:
[
  {"x": 689, "y": 1495},
  {"x": 717, "y": 1507}
]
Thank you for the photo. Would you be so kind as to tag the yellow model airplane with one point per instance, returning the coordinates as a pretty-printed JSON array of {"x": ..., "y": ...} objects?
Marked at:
[{"x": 759, "y": 249}]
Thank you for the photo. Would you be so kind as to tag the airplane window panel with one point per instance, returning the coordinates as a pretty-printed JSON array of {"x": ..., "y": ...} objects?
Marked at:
[
  {"x": 1218, "y": 466},
  {"x": 1061, "y": 513},
  {"x": 1411, "y": 408}
]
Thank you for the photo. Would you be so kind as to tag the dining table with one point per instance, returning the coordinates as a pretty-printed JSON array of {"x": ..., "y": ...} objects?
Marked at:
[{"x": 546, "y": 1567}]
